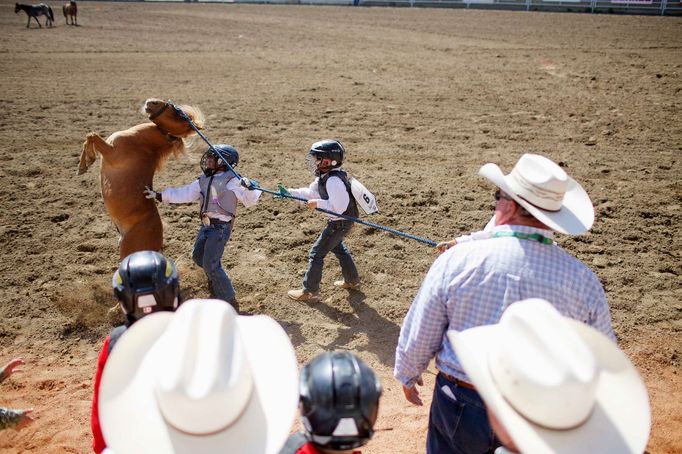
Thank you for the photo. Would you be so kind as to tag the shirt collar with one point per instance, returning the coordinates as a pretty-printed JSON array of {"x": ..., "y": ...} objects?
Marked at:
[{"x": 523, "y": 229}]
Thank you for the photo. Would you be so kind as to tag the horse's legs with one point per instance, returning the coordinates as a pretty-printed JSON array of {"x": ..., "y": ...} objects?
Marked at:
[
  {"x": 93, "y": 142},
  {"x": 37, "y": 21},
  {"x": 146, "y": 235}
]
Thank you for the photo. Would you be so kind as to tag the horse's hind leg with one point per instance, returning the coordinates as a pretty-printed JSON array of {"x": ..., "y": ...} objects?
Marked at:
[
  {"x": 93, "y": 142},
  {"x": 144, "y": 236}
]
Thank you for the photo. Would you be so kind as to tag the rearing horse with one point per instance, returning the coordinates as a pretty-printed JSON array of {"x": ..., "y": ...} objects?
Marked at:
[
  {"x": 70, "y": 9},
  {"x": 129, "y": 161},
  {"x": 33, "y": 11}
]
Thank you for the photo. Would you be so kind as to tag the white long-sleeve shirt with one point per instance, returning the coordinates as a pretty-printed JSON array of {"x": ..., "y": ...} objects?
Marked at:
[
  {"x": 338, "y": 196},
  {"x": 192, "y": 192}
]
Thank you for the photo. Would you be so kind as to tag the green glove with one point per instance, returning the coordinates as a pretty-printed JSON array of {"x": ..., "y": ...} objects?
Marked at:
[{"x": 282, "y": 191}]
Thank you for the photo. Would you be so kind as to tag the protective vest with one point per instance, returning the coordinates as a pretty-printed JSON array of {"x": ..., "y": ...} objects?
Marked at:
[
  {"x": 220, "y": 199},
  {"x": 352, "y": 209}
]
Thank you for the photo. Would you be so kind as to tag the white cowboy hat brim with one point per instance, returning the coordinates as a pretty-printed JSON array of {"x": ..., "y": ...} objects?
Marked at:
[
  {"x": 576, "y": 215},
  {"x": 130, "y": 416},
  {"x": 620, "y": 421}
]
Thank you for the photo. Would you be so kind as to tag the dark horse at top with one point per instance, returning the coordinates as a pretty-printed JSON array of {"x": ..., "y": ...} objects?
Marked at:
[
  {"x": 70, "y": 9},
  {"x": 33, "y": 11}
]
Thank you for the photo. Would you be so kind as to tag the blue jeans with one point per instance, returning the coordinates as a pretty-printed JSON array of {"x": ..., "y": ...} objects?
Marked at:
[
  {"x": 330, "y": 240},
  {"x": 208, "y": 252},
  {"x": 458, "y": 426}
]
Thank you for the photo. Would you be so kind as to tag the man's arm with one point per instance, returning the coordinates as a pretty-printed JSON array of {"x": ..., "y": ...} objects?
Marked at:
[
  {"x": 14, "y": 419},
  {"x": 422, "y": 332}
]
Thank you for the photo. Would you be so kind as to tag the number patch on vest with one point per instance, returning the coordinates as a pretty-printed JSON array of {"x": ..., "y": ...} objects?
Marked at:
[{"x": 363, "y": 197}]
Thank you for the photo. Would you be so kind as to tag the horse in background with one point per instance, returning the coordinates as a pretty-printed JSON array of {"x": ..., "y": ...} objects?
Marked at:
[
  {"x": 70, "y": 10},
  {"x": 129, "y": 160},
  {"x": 33, "y": 11}
]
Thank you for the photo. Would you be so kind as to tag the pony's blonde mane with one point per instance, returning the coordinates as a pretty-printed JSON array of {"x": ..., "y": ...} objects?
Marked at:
[{"x": 186, "y": 142}]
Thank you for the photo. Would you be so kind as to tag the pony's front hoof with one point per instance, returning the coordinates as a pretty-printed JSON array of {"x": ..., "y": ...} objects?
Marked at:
[{"x": 82, "y": 170}]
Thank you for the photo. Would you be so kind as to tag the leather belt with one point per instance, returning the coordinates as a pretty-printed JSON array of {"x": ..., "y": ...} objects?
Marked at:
[
  {"x": 456, "y": 381},
  {"x": 215, "y": 221}
]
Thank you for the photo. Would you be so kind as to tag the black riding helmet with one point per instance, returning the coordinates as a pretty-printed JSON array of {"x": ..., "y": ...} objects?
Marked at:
[
  {"x": 339, "y": 400},
  {"x": 146, "y": 282},
  {"x": 228, "y": 152},
  {"x": 326, "y": 149}
]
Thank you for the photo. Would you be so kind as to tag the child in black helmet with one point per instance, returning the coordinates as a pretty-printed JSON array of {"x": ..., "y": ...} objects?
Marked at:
[
  {"x": 330, "y": 191},
  {"x": 145, "y": 282},
  {"x": 218, "y": 190},
  {"x": 339, "y": 405}
]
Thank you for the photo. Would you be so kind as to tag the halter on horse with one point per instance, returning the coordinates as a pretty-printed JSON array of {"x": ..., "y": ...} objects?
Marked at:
[
  {"x": 70, "y": 9},
  {"x": 33, "y": 11}
]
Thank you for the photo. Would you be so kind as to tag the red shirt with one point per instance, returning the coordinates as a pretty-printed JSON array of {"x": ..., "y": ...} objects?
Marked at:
[
  {"x": 98, "y": 443},
  {"x": 309, "y": 448}
]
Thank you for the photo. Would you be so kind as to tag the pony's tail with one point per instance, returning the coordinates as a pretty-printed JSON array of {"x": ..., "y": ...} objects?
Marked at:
[{"x": 51, "y": 14}]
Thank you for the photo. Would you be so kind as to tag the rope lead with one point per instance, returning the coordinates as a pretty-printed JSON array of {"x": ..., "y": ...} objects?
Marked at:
[{"x": 185, "y": 117}]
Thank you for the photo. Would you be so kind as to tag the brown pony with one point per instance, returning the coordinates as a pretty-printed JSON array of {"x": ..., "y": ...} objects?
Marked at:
[
  {"x": 70, "y": 9},
  {"x": 129, "y": 160}
]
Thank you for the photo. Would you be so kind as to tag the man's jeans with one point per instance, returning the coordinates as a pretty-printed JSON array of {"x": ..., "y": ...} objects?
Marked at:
[
  {"x": 330, "y": 240},
  {"x": 208, "y": 252},
  {"x": 458, "y": 425}
]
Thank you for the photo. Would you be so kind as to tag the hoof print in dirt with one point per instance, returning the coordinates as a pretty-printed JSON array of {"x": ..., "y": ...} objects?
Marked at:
[
  {"x": 59, "y": 218},
  {"x": 85, "y": 247}
]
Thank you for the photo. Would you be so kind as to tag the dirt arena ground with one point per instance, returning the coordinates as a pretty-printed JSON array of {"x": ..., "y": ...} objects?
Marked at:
[{"x": 420, "y": 97}]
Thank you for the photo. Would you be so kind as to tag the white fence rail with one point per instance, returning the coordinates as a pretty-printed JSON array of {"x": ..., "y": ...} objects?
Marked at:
[{"x": 660, "y": 7}]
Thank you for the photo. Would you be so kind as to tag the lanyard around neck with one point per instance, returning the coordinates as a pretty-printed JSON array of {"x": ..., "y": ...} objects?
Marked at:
[{"x": 525, "y": 236}]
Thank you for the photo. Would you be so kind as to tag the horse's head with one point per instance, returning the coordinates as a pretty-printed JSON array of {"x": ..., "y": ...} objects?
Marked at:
[
  {"x": 17, "y": 8},
  {"x": 170, "y": 123},
  {"x": 164, "y": 115}
]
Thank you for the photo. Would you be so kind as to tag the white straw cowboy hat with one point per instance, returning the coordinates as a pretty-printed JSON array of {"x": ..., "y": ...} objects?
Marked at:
[
  {"x": 200, "y": 380},
  {"x": 555, "y": 384},
  {"x": 546, "y": 192}
]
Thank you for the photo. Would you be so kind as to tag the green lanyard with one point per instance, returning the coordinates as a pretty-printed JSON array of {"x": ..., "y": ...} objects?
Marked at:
[{"x": 525, "y": 236}]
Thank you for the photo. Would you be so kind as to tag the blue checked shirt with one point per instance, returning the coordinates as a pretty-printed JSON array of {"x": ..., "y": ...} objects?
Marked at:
[{"x": 472, "y": 283}]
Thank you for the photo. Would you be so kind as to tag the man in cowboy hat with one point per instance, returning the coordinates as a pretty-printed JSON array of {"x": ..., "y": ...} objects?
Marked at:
[
  {"x": 473, "y": 283},
  {"x": 201, "y": 380},
  {"x": 565, "y": 394}
]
